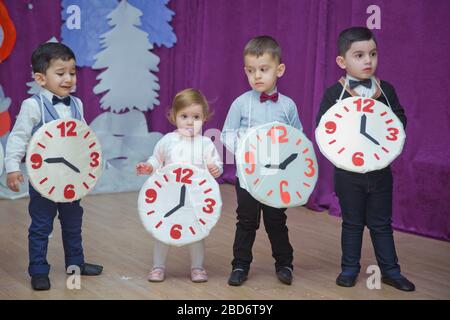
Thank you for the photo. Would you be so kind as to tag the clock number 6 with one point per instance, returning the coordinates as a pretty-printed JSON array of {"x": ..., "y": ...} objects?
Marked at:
[
  {"x": 188, "y": 174},
  {"x": 282, "y": 138},
  {"x": 367, "y": 107},
  {"x": 311, "y": 167},
  {"x": 394, "y": 132},
  {"x": 209, "y": 208},
  {"x": 36, "y": 159},
  {"x": 358, "y": 159},
  {"x": 150, "y": 195},
  {"x": 71, "y": 125},
  {"x": 175, "y": 231},
  {"x": 285, "y": 196},
  {"x": 94, "y": 156},
  {"x": 69, "y": 193}
]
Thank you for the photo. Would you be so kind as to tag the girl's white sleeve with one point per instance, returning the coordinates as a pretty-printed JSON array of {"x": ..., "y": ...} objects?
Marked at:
[
  {"x": 158, "y": 157},
  {"x": 211, "y": 155}
]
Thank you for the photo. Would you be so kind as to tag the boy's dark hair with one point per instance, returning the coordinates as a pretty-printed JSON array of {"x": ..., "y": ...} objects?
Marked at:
[
  {"x": 353, "y": 34},
  {"x": 46, "y": 52},
  {"x": 263, "y": 44}
]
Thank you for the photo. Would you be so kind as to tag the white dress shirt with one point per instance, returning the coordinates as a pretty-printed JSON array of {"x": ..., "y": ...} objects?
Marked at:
[
  {"x": 361, "y": 90},
  {"x": 30, "y": 116}
]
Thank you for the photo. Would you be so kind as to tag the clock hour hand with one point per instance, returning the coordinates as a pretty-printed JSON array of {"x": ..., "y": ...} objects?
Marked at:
[
  {"x": 283, "y": 164},
  {"x": 362, "y": 130},
  {"x": 64, "y": 161},
  {"x": 181, "y": 204}
]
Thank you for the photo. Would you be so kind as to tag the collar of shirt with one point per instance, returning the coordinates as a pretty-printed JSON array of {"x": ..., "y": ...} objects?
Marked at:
[
  {"x": 49, "y": 95},
  {"x": 361, "y": 90}
]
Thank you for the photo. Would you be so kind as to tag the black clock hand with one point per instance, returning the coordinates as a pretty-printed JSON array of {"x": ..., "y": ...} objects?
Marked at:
[
  {"x": 64, "y": 161},
  {"x": 288, "y": 160},
  {"x": 180, "y": 204},
  {"x": 362, "y": 130},
  {"x": 284, "y": 164}
]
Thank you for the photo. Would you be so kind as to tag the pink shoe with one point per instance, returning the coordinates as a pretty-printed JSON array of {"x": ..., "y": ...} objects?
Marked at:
[
  {"x": 156, "y": 275},
  {"x": 199, "y": 275}
]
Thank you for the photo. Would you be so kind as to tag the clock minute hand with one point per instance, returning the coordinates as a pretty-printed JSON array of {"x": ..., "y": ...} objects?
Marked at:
[
  {"x": 181, "y": 204},
  {"x": 64, "y": 161},
  {"x": 71, "y": 166},
  {"x": 288, "y": 160}
]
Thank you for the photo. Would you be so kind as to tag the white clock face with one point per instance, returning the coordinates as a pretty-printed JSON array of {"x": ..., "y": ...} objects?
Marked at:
[
  {"x": 277, "y": 165},
  {"x": 179, "y": 204},
  {"x": 360, "y": 135},
  {"x": 64, "y": 160}
]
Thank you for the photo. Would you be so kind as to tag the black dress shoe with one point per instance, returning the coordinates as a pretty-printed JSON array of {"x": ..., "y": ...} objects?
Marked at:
[
  {"x": 40, "y": 282},
  {"x": 400, "y": 284},
  {"x": 88, "y": 269},
  {"x": 284, "y": 274},
  {"x": 237, "y": 277},
  {"x": 346, "y": 281}
]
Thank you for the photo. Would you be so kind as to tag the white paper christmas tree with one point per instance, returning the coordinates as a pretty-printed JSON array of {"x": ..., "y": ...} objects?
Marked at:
[{"x": 128, "y": 80}]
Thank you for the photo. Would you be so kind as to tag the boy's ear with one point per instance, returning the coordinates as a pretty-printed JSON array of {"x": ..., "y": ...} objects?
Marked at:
[
  {"x": 281, "y": 69},
  {"x": 40, "y": 78},
  {"x": 341, "y": 62}
]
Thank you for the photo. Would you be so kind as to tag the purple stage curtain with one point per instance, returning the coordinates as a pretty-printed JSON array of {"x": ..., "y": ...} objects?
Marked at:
[{"x": 413, "y": 43}]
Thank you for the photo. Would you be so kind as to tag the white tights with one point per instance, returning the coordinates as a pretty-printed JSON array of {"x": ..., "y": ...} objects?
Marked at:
[{"x": 196, "y": 249}]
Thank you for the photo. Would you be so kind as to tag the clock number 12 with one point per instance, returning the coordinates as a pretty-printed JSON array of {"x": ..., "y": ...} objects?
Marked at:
[
  {"x": 368, "y": 104},
  {"x": 71, "y": 125},
  {"x": 187, "y": 175}
]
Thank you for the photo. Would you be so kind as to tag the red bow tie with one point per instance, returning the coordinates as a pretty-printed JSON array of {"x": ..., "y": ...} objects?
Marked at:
[{"x": 264, "y": 97}]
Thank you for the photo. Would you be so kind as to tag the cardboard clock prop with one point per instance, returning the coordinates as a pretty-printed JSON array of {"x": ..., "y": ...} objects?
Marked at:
[
  {"x": 7, "y": 33},
  {"x": 180, "y": 204},
  {"x": 360, "y": 135},
  {"x": 277, "y": 165},
  {"x": 64, "y": 160}
]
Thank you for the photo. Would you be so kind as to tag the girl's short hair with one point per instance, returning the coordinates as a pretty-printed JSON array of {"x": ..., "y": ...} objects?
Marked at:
[{"x": 186, "y": 98}]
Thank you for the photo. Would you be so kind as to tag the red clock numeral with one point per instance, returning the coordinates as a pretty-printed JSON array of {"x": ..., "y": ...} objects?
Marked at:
[
  {"x": 330, "y": 127},
  {"x": 69, "y": 193},
  {"x": 358, "y": 159},
  {"x": 250, "y": 159},
  {"x": 367, "y": 107},
  {"x": 187, "y": 175},
  {"x": 281, "y": 138},
  {"x": 310, "y": 167},
  {"x": 210, "y": 204},
  {"x": 94, "y": 156},
  {"x": 175, "y": 231},
  {"x": 150, "y": 195},
  {"x": 71, "y": 125},
  {"x": 393, "y": 134},
  {"x": 36, "y": 159},
  {"x": 285, "y": 196}
]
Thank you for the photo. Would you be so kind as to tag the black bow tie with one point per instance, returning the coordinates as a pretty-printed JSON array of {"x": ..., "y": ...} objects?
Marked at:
[
  {"x": 366, "y": 83},
  {"x": 65, "y": 100}
]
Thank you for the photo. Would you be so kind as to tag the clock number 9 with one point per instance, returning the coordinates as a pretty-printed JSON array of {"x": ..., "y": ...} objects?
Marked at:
[
  {"x": 150, "y": 195},
  {"x": 250, "y": 159},
  {"x": 367, "y": 107},
  {"x": 394, "y": 132},
  {"x": 330, "y": 127},
  {"x": 69, "y": 193},
  {"x": 282, "y": 138},
  {"x": 285, "y": 196},
  {"x": 187, "y": 172},
  {"x": 71, "y": 125},
  {"x": 94, "y": 156},
  {"x": 36, "y": 159},
  {"x": 311, "y": 167},
  {"x": 175, "y": 231},
  {"x": 358, "y": 159},
  {"x": 209, "y": 208}
]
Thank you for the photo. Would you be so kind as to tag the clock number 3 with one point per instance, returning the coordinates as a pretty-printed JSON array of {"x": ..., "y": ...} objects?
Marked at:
[
  {"x": 94, "y": 156},
  {"x": 187, "y": 175},
  {"x": 281, "y": 138},
  {"x": 312, "y": 171},
  {"x": 71, "y": 125},
  {"x": 210, "y": 204},
  {"x": 393, "y": 134},
  {"x": 367, "y": 107}
]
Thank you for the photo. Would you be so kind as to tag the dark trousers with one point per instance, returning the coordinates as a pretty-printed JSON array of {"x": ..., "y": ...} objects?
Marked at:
[
  {"x": 248, "y": 216},
  {"x": 366, "y": 199},
  {"x": 43, "y": 212}
]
